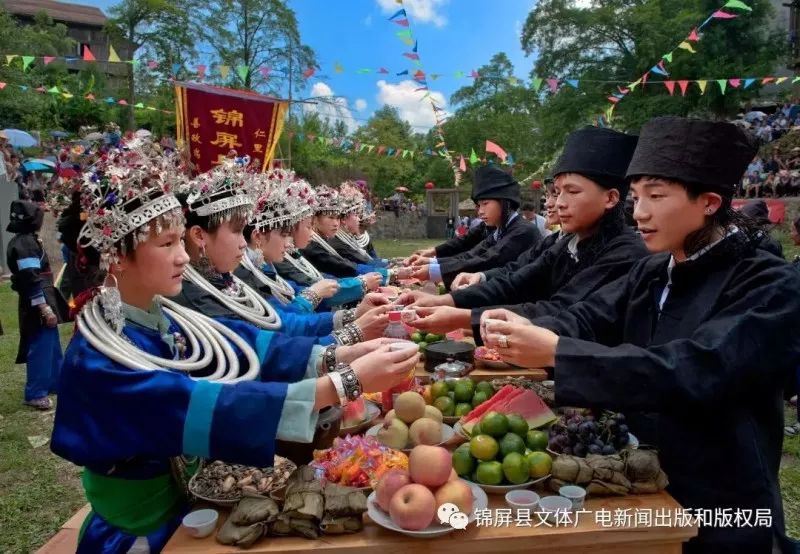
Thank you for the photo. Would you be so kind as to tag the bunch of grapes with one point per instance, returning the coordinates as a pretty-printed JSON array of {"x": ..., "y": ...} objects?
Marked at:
[{"x": 578, "y": 432}]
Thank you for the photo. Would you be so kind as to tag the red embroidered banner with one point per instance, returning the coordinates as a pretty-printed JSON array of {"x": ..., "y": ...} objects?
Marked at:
[{"x": 215, "y": 122}]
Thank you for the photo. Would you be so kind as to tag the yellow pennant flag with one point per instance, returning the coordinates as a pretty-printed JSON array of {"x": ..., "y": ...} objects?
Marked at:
[
  {"x": 609, "y": 112},
  {"x": 686, "y": 46},
  {"x": 338, "y": 68},
  {"x": 112, "y": 54},
  {"x": 635, "y": 84},
  {"x": 702, "y": 85},
  {"x": 779, "y": 80},
  {"x": 10, "y": 58},
  {"x": 223, "y": 71},
  {"x": 66, "y": 95}
]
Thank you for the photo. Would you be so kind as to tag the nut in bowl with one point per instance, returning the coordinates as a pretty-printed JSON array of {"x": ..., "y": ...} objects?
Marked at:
[
  {"x": 200, "y": 523},
  {"x": 225, "y": 484}
]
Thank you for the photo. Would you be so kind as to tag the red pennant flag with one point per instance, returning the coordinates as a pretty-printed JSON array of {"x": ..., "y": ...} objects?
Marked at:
[
  {"x": 419, "y": 74},
  {"x": 381, "y": 149},
  {"x": 735, "y": 82},
  {"x": 383, "y": 70},
  {"x": 152, "y": 64},
  {"x": 41, "y": 89},
  {"x": 309, "y": 72},
  {"x": 311, "y": 137},
  {"x": 462, "y": 165},
  {"x": 623, "y": 90},
  {"x": 201, "y": 71},
  {"x": 2, "y": 86},
  {"x": 411, "y": 55},
  {"x": 89, "y": 96},
  {"x": 553, "y": 84},
  {"x": 474, "y": 74},
  {"x": 265, "y": 71},
  {"x": 766, "y": 80},
  {"x": 613, "y": 99},
  {"x": 693, "y": 36},
  {"x": 683, "y": 85},
  {"x": 48, "y": 59},
  {"x": 495, "y": 149},
  {"x": 719, "y": 14},
  {"x": 661, "y": 66},
  {"x": 670, "y": 86},
  {"x": 402, "y": 22},
  {"x": 87, "y": 55},
  {"x": 123, "y": 102},
  {"x": 644, "y": 79}
]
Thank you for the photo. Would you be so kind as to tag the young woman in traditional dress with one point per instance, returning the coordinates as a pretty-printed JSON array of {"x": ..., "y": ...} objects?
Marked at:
[
  {"x": 694, "y": 344},
  {"x": 146, "y": 381},
  {"x": 346, "y": 241}
]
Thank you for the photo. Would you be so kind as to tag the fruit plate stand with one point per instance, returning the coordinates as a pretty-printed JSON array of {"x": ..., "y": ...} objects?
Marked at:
[
  {"x": 503, "y": 489},
  {"x": 479, "y": 502},
  {"x": 373, "y": 412}
]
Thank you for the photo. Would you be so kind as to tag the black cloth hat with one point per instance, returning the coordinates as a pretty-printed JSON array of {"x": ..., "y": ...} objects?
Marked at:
[
  {"x": 599, "y": 154},
  {"x": 26, "y": 217},
  {"x": 757, "y": 211},
  {"x": 492, "y": 183},
  {"x": 712, "y": 154}
]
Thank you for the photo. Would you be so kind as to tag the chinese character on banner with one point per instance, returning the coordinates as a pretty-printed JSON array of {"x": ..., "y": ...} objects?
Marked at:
[{"x": 213, "y": 122}]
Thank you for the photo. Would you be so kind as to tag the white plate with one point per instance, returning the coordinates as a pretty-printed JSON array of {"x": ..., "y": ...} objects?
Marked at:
[
  {"x": 372, "y": 412},
  {"x": 460, "y": 430},
  {"x": 502, "y": 489},
  {"x": 447, "y": 434},
  {"x": 479, "y": 502}
]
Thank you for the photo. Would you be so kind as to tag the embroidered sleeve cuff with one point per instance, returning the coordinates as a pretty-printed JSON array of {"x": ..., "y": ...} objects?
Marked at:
[{"x": 298, "y": 418}]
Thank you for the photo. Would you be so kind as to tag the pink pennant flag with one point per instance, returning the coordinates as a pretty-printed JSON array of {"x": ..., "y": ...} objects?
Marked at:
[
  {"x": 693, "y": 36},
  {"x": 2, "y": 86},
  {"x": 201, "y": 71},
  {"x": 474, "y": 74},
  {"x": 683, "y": 85},
  {"x": 309, "y": 72},
  {"x": 462, "y": 165},
  {"x": 411, "y": 55},
  {"x": 48, "y": 59},
  {"x": 670, "y": 87},
  {"x": 89, "y": 96},
  {"x": 623, "y": 90},
  {"x": 495, "y": 149},
  {"x": 553, "y": 84},
  {"x": 613, "y": 99},
  {"x": 644, "y": 78},
  {"x": 766, "y": 80},
  {"x": 402, "y": 22},
  {"x": 123, "y": 102},
  {"x": 719, "y": 14},
  {"x": 381, "y": 149},
  {"x": 735, "y": 82},
  {"x": 152, "y": 64},
  {"x": 265, "y": 71},
  {"x": 383, "y": 71},
  {"x": 41, "y": 89}
]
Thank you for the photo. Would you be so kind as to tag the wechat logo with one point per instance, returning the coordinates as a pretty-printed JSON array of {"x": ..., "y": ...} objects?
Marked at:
[{"x": 449, "y": 514}]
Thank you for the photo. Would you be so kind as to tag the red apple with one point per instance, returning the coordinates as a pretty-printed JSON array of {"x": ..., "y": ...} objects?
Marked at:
[
  {"x": 455, "y": 492},
  {"x": 430, "y": 465},
  {"x": 453, "y": 476},
  {"x": 389, "y": 483},
  {"x": 413, "y": 507}
]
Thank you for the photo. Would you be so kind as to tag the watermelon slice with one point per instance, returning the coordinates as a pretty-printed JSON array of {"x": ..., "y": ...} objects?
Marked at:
[{"x": 523, "y": 402}]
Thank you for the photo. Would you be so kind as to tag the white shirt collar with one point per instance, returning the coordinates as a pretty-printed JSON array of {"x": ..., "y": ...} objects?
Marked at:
[{"x": 496, "y": 233}]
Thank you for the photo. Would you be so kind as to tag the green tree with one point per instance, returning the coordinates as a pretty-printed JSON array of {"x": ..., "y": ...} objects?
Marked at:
[{"x": 257, "y": 34}]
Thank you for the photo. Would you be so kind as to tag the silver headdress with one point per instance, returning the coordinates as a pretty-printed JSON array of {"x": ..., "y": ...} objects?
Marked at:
[
  {"x": 284, "y": 200},
  {"x": 328, "y": 201},
  {"x": 351, "y": 199},
  {"x": 129, "y": 191},
  {"x": 224, "y": 192}
]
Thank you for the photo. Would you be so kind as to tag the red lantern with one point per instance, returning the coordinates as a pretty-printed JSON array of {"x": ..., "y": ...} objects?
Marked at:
[
  {"x": 429, "y": 185},
  {"x": 536, "y": 185}
]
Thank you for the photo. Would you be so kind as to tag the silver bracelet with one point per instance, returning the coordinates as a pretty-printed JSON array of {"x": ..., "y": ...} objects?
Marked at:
[
  {"x": 364, "y": 287},
  {"x": 338, "y": 384},
  {"x": 348, "y": 316},
  {"x": 313, "y": 298},
  {"x": 352, "y": 386},
  {"x": 349, "y": 334},
  {"x": 329, "y": 358}
]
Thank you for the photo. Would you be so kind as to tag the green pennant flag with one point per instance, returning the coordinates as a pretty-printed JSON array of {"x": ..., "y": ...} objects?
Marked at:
[
  {"x": 459, "y": 74},
  {"x": 364, "y": 70},
  {"x": 404, "y": 34},
  {"x": 151, "y": 108},
  {"x": 26, "y": 61},
  {"x": 417, "y": 63},
  {"x": 134, "y": 63},
  {"x": 140, "y": 105},
  {"x": 473, "y": 157},
  {"x": 635, "y": 84},
  {"x": 360, "y": 148},
  {"x": 537, "y": 83},
  {"x": 723, "y": 83},
  {"x": 796, "y": 79},
  {"x": 411, "y": 152},
  {"x": 66, "y": 95},
  {"x": 321, "y": 140},
  {"x": 54, "y": 90},
  {"x": 242, "y": 70},
  {"x": 668, "y": 57},
  {"x": 405, "y": 153},
  {"x": 738, "y": 4}
]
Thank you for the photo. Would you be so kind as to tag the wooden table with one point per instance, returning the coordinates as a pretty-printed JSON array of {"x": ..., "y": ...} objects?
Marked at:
[
  {"x": 486, "y": 374},
  {"x": 587, "y": 537}
]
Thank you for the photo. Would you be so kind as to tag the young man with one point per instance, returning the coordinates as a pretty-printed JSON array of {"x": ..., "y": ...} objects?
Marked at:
[
  {"x": 597, "y": 248},
  {"x": 502, "y": 237},
  {"x": 700, "y": 337}
]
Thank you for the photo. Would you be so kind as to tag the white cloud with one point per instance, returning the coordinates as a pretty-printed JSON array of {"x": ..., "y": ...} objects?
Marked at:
[
  {"x": 420, "y": 11},
  {"x": 410, "y": 104},
  {"x": 360, "y": 104},
  {"x": 332, "y": 109},
  {"x": 367, "y": 21}
]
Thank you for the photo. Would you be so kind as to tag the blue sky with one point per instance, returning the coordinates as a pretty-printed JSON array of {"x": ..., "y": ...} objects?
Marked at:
[{"x": 453, "y": 35}]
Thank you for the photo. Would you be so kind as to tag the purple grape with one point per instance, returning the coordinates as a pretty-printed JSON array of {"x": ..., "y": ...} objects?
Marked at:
[
  {"x": 579, "y": 450},
  {"x": 608, "y": 449},
  {"x": 568, "y": 450},
  {"x": 594, "y": 449}
]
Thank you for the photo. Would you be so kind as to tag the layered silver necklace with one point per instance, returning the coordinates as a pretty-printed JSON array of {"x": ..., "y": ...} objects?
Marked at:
[
  {"x": 242, "y": 300},
  {"x": 279, "y": 288},
  {"x": 352, "y": 242},
  {"x": 363, "y": 240},
  {"x": 303, "y": 266},
  {"x": 208, "y": 341},
  {"x": 324, "y": 243}
]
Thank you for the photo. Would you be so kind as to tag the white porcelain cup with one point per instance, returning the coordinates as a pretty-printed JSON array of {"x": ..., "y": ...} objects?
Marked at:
[
  {"x": 200, "y": 523},
  {"x": 403, "y": 345},
  {"x": 574, "y": 494}
]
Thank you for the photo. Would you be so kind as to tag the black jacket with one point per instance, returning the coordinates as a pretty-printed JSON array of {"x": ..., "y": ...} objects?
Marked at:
[
  {"x": 348, "y": 252},
  {"x": 710, "y": 366},
  {"x": 527, "y": 257},
  {"x": 555, "y": 279},
  {"x": 290, "y": 273},
  {"x": 325, "y": 262},
  {"x": 459, "y": 245},
  {"x": 519, "y": 236}
]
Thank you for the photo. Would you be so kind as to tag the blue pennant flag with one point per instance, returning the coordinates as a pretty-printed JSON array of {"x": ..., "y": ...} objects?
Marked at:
[
  {"x": 404, "y": 72},
  {"x": 389, "y": 151},
  {"x": 300, "y": 136},
  {"x": 415, "y": 47},
  {"x": 109, "y": 100},
  {"x": 748, "y": 82},
  {"x": 23, "y": 87},
  {"x": 656, "y": 69},
  {"x": 509, "y": 159},
  {"x": 573, "y": 83},
  {"x": 175, "y": 68},
  {"x": 398, "y": 14}
]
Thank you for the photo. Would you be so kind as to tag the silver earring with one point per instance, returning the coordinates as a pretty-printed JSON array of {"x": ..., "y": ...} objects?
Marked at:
[
  {"x": 112, "y": 303},
  {"x": 204, "y": 264},
  {"x": 259, "y": 261}
]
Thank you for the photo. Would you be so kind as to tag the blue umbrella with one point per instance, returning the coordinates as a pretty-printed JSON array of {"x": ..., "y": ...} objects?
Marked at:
[
  {"x": 38, "y": 164},
  {"x": 19, "y": 139},
  {"x": 58, "y": 134}
]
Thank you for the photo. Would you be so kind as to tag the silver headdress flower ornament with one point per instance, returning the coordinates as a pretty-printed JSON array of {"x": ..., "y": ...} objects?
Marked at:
[
  {"x": 224, "y": 192},
  {"x": 284, "y": 199},
  {"x": 129, "y": 191},
  {"x": 328, "y": 201},
  {"x": 352, "y": 201}
]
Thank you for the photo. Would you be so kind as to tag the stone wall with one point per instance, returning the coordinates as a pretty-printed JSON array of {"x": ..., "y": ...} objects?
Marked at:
[{"x": 406, "y": 226}]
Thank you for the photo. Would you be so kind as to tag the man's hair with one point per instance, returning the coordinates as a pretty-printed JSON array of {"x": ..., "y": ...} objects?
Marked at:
[{"x": 528, "y": 207}]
